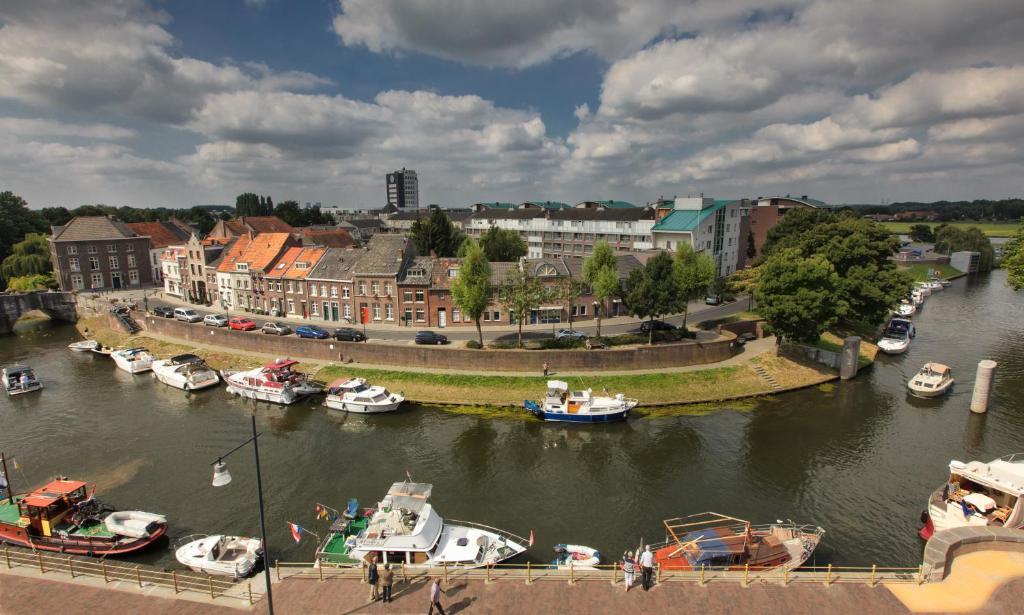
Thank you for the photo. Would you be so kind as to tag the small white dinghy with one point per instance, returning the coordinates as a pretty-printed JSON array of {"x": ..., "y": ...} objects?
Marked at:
[
  {"x": 906, "y": 309},
  {"x": 134, "y": 523},
  {"x": 228, "y": 556},
  {"x": 576, "y": 556},
  {"x": 83, "y": 346}
]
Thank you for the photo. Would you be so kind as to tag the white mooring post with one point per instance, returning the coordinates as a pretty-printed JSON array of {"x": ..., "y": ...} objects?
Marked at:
[{"x": 983, "y": 385}]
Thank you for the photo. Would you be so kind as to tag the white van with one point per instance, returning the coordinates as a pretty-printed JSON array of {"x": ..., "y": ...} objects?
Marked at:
[{"x": 187, "y": 314}]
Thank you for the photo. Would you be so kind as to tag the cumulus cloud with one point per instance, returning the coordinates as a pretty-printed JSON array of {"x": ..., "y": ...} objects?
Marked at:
[{"x": 33, "y": 127}]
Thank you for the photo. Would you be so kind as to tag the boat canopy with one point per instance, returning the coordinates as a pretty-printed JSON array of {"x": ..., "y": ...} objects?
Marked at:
[
  {"x": 980, "y": 501},
  {"x": 61, "y": 486},
  {"x": 708, "y": 544},
  {"x": 938, "y": 368},
  {"x": 558, "y": 385},
  {"x": 280, "y": 364},
  {"x": 408, "y": 495},
  {"x": 13, "y": 370},
  {"x": 184, "y": 359},
  {"x": 345, "y": 383}
]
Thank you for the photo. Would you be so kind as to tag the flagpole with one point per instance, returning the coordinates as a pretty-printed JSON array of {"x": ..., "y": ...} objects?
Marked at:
[{"x": 263, "y": 523}]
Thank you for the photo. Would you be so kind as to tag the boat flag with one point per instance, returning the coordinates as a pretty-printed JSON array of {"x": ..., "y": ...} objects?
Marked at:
[
  {"x": 296, "y": 532},
  {"x": 531, "y": 538}
]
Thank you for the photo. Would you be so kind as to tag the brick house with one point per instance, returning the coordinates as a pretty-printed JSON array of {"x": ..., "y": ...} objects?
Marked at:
[
  {"x": 260, "y": 254},
  {"x": 161, "y": 236},
  {"x": 249, "y": 225},
  {"x": 330, "y": 284},
  {"x": 286, "y": 282},
  {"x": 231, "y": 279},
  {"x": 99, "y": 253},
  {"x": 199, "y": 272},
  {"x": 375, "y": 278}
]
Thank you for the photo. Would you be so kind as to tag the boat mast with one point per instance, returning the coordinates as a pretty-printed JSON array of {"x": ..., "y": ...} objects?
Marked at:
[{"x": 7, "y": 479}]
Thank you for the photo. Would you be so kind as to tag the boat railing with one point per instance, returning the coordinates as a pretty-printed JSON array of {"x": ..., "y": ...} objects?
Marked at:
[
  {"x": 507, "y": 536},
  {"x": 1013, "y": 458},
  {"x": 184, "y": 540}
]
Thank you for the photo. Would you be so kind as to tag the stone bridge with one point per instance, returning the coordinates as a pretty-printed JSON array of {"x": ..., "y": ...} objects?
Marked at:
[{"x": 56, "y": 305}]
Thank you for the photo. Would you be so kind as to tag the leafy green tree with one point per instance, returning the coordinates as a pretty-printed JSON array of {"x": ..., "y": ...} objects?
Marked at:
[
  {"x": 797, "y": 295},
  {"x": 949, "y": 239},
  {"x": 600, "y": 272},
  {"x": 568, "y": 291},
  {"x": 16, "y": 221},
  {"x": 751, "y": 246},
  {"x": 437, "y": 234},
  {"x": 638, "y": 296},
  {"x": 55, "y": 216},
  {"x": 471, "y": 289},
  {"x": 290, "y": 212},
  {"x": 654, "y": 290},
  {"x": 922, "y": 233},
  {"x": 1013, "y": 261},
  {"x": 30, "y": 256},
  {"x": 520, "y": 294},
  {"x": 28, "y": 283},
  {"x": 695, "y": 273},
  {"x": 792, "y": 227},
  {"x": 502, "y": 245}
]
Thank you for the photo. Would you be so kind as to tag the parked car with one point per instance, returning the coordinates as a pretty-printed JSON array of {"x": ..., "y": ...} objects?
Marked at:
[
  {"x": 215, "y": 320},
  {"x": 429, "y": 337},
  {"x": 276, "y": 328},
  {"x": 657, "y": 325},
  {"x": 713, "y": 300},
  {"x": 312, "y": 331},
  {"x": 742, "y": 339},
  {"x": 571, "y": 334},
  {"x": 348, "y": 334},
  {"x": 241, "y": 324},
  {"x": 187, "y": 315},
  {"x": 163, "y": 311}
]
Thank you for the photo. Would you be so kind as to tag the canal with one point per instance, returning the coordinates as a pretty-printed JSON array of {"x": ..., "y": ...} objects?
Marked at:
[{"x": 858, "y": 458}]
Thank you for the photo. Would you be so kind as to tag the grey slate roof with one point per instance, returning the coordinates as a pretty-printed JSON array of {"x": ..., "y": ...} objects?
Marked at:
[
  {"x": 90, "y": 228},
  {"x": 419, "y": 271},
  {"x": 499, "y": 272},
  {"x": 337, "y": 264},
  {"x": 383, "y": 256}
]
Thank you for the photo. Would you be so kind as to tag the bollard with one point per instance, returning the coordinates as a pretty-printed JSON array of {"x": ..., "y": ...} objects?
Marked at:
[
  {"x": 572, "y": 574},
  {"x": 657, "y": 574},
  {"x": 103, "y": 565},
  {"x": 828, "y": 576},
  {"x": 71, "y": 566},
  {"x": 39, "y": 556},
  {"x": 320, "y": 568},
  {"x": 874, "y": 568},
  {"x": 174, "y": 579},
  {"x": 445, "y": 572},
  {"x": 615, "y": 574},
  {"x": 7, "y": 556},
  {"x": 138, "y": 576},
  {"x": 487, "y": 569},
  {"x": 251, "y": 602},
  {"x": 702, "y": 583},
  {"x": 982, "y": 385},
  {"x": 211, "y": 586},
  {"x": 920, "y": 574},
  {"x": 529, "y": 580},
  {"x": 746, "y": 574}
]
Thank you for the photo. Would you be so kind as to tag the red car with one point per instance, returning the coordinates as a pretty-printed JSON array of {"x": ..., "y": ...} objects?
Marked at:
[{"x": 241, "y": 324}]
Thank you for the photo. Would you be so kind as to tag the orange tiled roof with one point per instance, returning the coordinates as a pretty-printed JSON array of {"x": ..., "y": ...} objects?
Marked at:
[
  {"x": 263, "y": 250},
  {"x": 282, "y": 264},
  {"x": 267, "y": 224},
  {"x": 227, "y": 264},
  {"x": 331, "y": 238},
  {"x": 303, "y": 264},
  {"x": 161, "y": 234}
]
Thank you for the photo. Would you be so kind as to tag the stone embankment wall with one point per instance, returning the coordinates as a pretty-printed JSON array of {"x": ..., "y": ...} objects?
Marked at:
[
  {"x": 408, "y": 355},
  {"x": 58, "y": 306}
]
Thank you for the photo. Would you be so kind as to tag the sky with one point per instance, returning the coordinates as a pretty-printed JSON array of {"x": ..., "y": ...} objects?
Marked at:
[{"x": 176, "y": 103}]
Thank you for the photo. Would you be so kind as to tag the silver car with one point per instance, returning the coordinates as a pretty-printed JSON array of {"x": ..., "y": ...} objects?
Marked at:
[
  {"x": 276, "y": 328},
  {"x": 215, "y": 320}
]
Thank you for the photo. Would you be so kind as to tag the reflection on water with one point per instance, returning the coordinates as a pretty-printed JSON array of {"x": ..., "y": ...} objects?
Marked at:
[{"x": 859, "y": 459}]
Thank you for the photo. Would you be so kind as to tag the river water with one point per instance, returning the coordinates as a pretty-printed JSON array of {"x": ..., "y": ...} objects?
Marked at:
[{"x": 859, "y": 458}]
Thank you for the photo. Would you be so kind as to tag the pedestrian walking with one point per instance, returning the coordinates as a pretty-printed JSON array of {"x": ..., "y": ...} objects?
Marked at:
[
  {"x": 435, "y": 597},
  {"x": 647, "y": 566},
  {"x": 628, "y": 569},
  {"x": 373, "y": 579},
  {"x": 387, "y": 579},
  {"x": 545, "y": 369}
]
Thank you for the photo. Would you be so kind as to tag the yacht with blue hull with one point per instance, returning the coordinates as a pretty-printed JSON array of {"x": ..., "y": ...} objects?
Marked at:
[{"x": 561, "y": 404}]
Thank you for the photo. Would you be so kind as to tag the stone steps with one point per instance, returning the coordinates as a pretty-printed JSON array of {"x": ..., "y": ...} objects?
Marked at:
[{"x": 768, "y": 378}]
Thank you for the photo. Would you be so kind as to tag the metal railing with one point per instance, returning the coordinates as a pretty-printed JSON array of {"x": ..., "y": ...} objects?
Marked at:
[
  {"x": 612, "y": 573},
  {"x": 110, "y": 572}
]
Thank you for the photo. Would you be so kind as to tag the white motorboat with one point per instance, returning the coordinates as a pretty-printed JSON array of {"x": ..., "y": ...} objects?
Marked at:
[
  {"x": 935, "y": 285},
  {"x": 355, "y": 395},
  {"x": 133, "y": 360},
  {"x": 229, "y": 556},
  {"x": 945, "y": 283},
  {"x": 185, "y": 371},
  {"x": 83, "y": 346},
  {"x": 902, "y": 324},
  {"x": 906, "y": 309},
  {"x": 917, "y": 297},
  {"x": 933, "y": 380},
  {"x": 575, "y": 556},
  {"x": 405, "y": 530},
  {"x": 978, "y": 493},
  {"x": 276, "y": 382},
  {"x": 104, "y": 350},
  {"x": 20, "y": 379},
  {"x": 894, "y": 341},
  {"x": 924, "y": 287},
  {"x": 560, "y": 404}
]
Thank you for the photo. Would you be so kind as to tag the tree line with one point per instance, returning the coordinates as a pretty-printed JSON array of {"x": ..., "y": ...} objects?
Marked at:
[
  {"x": 1004, "y": 210},
  {"x": 252, "y": 204}
]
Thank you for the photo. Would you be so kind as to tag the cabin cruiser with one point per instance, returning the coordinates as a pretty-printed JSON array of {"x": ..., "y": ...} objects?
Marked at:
[
  {"x": 902, "y": 324},
  {"x": 906, "y": 309},
  {"x": 894, "y": 341},
  {"x": 561, "y": 404},
  {"x": 404, "y": 529},
  {"x": 229, "y": 556},
  {"x": 924, "y": 288},
  {"x": 576, "y": 556},
  {"x": 935, "y": 285},
  {"x": 20, "y": 379},
  {"x": 977, "y": 494},
  {"x": 133, "y": 360},
  {"x": 355, "y": 395},
  {"x": 83, "y": 346},
  {"x": 711, "y": 540},
  {"x": 277, "y": 382},
  {"x": 933, "y": 380},
  {"x": 917, "y": 297},
  {"x": 185, "y": 371}
]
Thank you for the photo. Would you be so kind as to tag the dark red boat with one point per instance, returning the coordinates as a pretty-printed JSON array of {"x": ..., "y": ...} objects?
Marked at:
[{"x": 63, "y": 516}]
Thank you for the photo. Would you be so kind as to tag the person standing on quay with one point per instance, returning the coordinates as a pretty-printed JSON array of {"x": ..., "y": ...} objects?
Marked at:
[
  {"x": 373, "y": 579},
  {"x": 435, "y": 597},
  {"x": 387, "y": 578},
  {"x": 647, "y": 564},
  {"x": 628, "y": 569},
  {"x": 545, "y": 369}
]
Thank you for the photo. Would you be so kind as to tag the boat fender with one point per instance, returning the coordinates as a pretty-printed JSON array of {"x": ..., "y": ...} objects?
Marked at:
[
  {"x": 924, "y": 516},
  {"x": 63, "y": 536}
]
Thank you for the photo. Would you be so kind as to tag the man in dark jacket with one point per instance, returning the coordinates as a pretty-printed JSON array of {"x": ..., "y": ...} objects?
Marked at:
[
  {"x": 373, "y": 579},
  {"x": 387, "y": 577}
]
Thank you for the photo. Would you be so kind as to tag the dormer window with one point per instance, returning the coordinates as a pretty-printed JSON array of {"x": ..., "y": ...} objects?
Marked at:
[
  {"x": 546, "y": 270},
  {"x": 242, "y": 267},
  {"x": 453, "y": 272},
  {"x": 302, "y": 265}
]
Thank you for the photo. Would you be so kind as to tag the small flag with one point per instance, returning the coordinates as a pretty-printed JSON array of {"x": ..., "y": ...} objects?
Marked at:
[
  {"x": 16, "y": 466},
  {"x": 296, "y": 532},
  {"x": 531, "y": 538}
]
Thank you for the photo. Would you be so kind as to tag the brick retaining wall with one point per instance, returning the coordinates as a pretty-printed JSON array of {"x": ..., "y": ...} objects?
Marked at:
[{"x": 643, "y": 357}]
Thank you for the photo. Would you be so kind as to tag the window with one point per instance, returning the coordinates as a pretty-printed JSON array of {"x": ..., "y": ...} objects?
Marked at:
[
  {"x": 345, "y": 292},
  {"x": 312, "y": 290},
  {"x": 302, "y": 265},
  {"x": 96, "y": 280},
  {"x": 334, "y": 291},
  {"x": 73, "y": 264},
  {"x": 94, "y": 263},
  {"x": 347, "y": 311},
  {"x": 453, "y": 272},
  {"x": 362, "y": 289},
  {"x": 376, "y": 288},
  {"x": 456, "y": 315},
  {"x": 497, "y": 316},
  {"x": 387, "y": 290},
  {"x": 76, "y": 282},
  {"x": 313, "y": 309},
  {"x": 487, "y": 316},
  {"x": 72, "y": 249},
  {"x": 129, "y": 248},
  {"x": 420, "y": 316},
  {"x": 291, "y": 287},
  {"x": 133, "y": 276},
  {"x": 389, "y": 311},
  {"x": 291, "y": 306},
  {"x": 242, "y": 267},
  {"x": 376, "y": 311},
  {"x": 408, "y": 315},
  {"x": 419, "y": 296},
  {"x": 131, "y": 260},
  {"x": 407, "y": 296},
  {"x": 91, "y": 249},
  {"x": 111, "y": 247}
]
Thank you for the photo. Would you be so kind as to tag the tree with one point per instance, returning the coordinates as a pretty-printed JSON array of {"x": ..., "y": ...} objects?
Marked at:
[
  {"x": 695, "y": 273},
  {"x": 437, "y": 235},
  {"x": 30, "y": 256},
  {"x": 568, "y": 291},
  {"x": 16, "y": 221},
  {"x": 471, "y": 289},
  {"x": 638, "y": 296},
  {"x": 38, "y": 281},
  {"x": 290, "y": 212},
  {"x": 949, "y": 239},
  {"x": 922, "y": 233},
  {"x": 252, "y": 204},
  {"x": 520, "y": 294},
  {"x": 502, "y": 245},
  {"x": 654, "y": 290},
  {"x": 600, "y": 272},
  {"x": 792, "y": 227},
  {"x": 1013, "y": 261},
  {"x": 797, "y": 295},
  {"x": 751, "y": 246}
]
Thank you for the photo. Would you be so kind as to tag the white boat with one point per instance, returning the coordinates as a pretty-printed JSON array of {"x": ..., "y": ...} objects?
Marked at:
[
  {"x": 924, "y": 287},
  {"x": 906, "y": 309},
  {"x": 561, "y": 404},
  {"x": 133, "y": 360},
  {"x": 404, "y": 529},
  {"x": 104, "y": 350},
  {"x": 229, "y": 556},
  {"x": 83, "y": 346},
  {"x": 935, "y": 285},
  {"x": 20, "y": 379},
  {"x": 355, "y": 395},
  {"x": 275, "y": 382},
  {"x": 933, "y": 380},
  {"x": 185, "y": 371},
  {"x": 945, "y": 283},
  {"x": 978, "y": 493},
  {"x": 902, "y": 324},
  {"x": 576, "y": 556},
  {"x": 134, "y": 523},
  {"x": 895, "y": 341},
  {"x": 917, "y": 297}
]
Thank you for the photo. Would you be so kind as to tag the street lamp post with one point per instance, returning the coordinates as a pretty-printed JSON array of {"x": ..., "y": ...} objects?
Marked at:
[{"x": 222, "y": 477}]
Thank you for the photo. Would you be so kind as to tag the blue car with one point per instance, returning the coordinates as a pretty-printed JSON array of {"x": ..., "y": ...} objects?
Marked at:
[{"x": 312, "y": 331}]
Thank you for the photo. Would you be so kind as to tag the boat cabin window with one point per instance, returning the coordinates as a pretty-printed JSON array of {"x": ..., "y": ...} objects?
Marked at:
[
  {"x": 395, "y": 557},
  {"x": 360, "y": 387},
  {"x": 363, "y": 400}
]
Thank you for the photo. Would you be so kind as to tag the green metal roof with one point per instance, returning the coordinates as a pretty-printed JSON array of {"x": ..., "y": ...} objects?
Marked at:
[
  {"x": 615, "y": 204},
  {"x": 687, "y": 220},
  {"x": 498, "y": 205},
  {"x": 549, "y": 204}
]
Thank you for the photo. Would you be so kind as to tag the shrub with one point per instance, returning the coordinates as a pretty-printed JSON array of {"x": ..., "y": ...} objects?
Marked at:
[{"x": 473, "y": 344}]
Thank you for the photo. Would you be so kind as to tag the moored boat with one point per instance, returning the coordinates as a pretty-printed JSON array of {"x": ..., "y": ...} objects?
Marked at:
[
  {"x": 185, "y": 371},
  {"x": 230, "y": 556},
  {"x": 714, "y": 541},
  {"x": 906, "y": 309},
  {"x": 63, "y": 516},
  {"x": 933, "y": 380},
  {"x": 894, "y": 342},
  {"x": 133, "y": 360},
  {"x": 978, "y": 494},
  {"x": 561, "y": 404},
  {"x": 276, "y": 382},
  {"x": 355, "y": 395},
  {"x": 20, "y": 379},
  {"x": 575, "y": 556},
  {"x": 104, "y": 350},
  {"x": 83, "y": 346}
]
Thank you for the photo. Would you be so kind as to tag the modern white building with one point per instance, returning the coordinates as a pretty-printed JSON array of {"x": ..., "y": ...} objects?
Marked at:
[
  {"x": 403, "y": 189},
  {"x": 172, "y": 260},
  {"x": 708, "y": 225}
]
